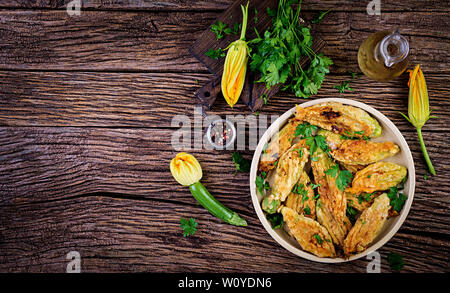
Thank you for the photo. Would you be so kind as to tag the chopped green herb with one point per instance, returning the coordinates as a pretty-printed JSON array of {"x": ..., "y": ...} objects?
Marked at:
[
  {"x": 344, "y": 86},
  {"x": 276, "y": 220},
  {"x": 317, "y": 196},
  {"x": 314, "y": 186},
  {"x": 397, "y": 199},
  {"x": 314, "y": 159},
  {"x": 236, "y": 28},
  {"x": 307, "y": 210},
  {"x": 318, "y": 238},
  {"x": 363, "y": 222},
  {"x": 395, "y": 261},
  {"x": 215, "y": 54},
  {"x": 368, "y": 176},
  {"x": 425, "y": 177},
  {"x": 320, "y": 16},
  {"x": 351, "y": 213},
  {"x": 354, "y": 74},
  {"x": 264, "y": 98},
  {"x": 260, "y": 184},
  {"x": 300, "y": 190},
  {"x": 189, "y": 226},
  {"x": 220, "y": 29},
  {"x": 240, "y": 163},
  {"x": 305, "y": 129},
  {"x": 265, "y": 147}
]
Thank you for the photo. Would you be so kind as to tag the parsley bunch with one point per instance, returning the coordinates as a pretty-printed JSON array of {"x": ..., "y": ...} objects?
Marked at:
[{"x": 276, "y": 54}]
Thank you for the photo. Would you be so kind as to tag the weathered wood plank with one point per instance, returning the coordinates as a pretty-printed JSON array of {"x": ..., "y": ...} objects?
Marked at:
[
  {"x": 153, "y": 99},
  {"x": 123, "y": 235},
  {"x": 337, "y": 5},
  {"x": 47, "y": 164},
  {"x": 149, "y": 41}
]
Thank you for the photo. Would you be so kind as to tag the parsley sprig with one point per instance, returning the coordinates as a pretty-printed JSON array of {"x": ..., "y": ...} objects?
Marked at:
[
  {"x": 189, "y": 226},
  {"x": 241, "y": 163},
  {"x": 395, "y": 261},
  {"x": 276, "y": 220},
  {"x": 220, "y": 29},
  {"x": 276, "y": 53},
  {"x": 397, "y": 199},
  {"x": 216, "y": 54},
  {"x": 343, "y": 177}
]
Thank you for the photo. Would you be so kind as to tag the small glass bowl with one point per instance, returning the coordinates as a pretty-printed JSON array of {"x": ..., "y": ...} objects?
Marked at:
[{"x": 221, "y": 137}]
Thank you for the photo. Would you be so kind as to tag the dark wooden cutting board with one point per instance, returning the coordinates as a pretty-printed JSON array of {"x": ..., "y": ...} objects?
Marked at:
[{"x": 257, "y": 18}]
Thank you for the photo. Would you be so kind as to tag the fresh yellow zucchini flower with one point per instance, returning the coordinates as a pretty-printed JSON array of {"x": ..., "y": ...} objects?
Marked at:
[
  {"x": 186, "y": 169},
  {"x": 235, "y": 66},
  {"x": 419, "y": 108}
]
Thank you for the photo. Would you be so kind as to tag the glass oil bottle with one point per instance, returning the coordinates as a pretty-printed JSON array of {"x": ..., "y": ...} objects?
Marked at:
[{"x": 383, "y": 55}]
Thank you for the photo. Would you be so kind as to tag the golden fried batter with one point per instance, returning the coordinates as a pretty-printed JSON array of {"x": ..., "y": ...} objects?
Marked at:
[
  {"x": 368, "y": 226},
  {"x": 362, "y": 201},
  {"x": 311, "y": 236},
  {"x": 303, "y": 203},
  {"x": 331, "y": 205},
  {"x": 358, "y": 152},
  {"x": 279, "y": 144},
  {"x": 339, "y": 118},
  {"x": 352, "y": 168},
  {"x": 288, "y": 171},
  {"x": 377, "y": 176}
]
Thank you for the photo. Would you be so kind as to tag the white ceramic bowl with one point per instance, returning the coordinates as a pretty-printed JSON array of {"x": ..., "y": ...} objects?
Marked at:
[{"x": 404, "y": 157}]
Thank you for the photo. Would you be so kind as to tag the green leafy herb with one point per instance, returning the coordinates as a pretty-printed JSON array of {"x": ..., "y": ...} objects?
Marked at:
[
  {"x": 264, "y": 98},
  {"x": 368, "y": 176},
  {"x": 276, "y": 220},
  {"x": 300, "y": 152},
  {"x": 314, "y": 186},
  {"x": 351, "y": 213},
  {"x": 314, "y": 159},
  {"x": 395, "y": 261},
  {"x": 276, "y": 54},
  {"x": 397, "y": 199},
  {"x": 344, "y": 86},
  {"x": 220, "y": 29},
  {"x": 320, "y": 16},
  {"x": 266, "y": 145},
  {"x": 363, "y": 222},
  {"x": 215, "y": 54},
  {"x": 307, "y": 210},
  {"x": 260, "y": 184},
  {"x": 189, "y": 226},
  {"x": 305, "y": 129},
  {"x": 354, "y": 74},
  {"x": 318, "y": 238},
  {"x": 300, "y": 190},
  {"x": 343, "y": 177},
  {"x": 236, "y": 28},
  {"x": 241, "y": 164},
  {"x": 364, "y": 197}
]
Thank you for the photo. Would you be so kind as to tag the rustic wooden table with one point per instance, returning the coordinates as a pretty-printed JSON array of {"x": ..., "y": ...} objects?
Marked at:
[{"x": 86, "y": 104}]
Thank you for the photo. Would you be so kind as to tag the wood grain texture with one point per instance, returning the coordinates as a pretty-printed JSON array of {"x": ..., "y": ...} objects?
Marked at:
[
  {"x": 171, "y": 5},
  {"x": 51, "y": 164},
  {"x": 122, "y": 235},
  {"x": 153, "y": 99},
  {"x": 151, "y": 41},
  {"x": 86, "y": 105}
]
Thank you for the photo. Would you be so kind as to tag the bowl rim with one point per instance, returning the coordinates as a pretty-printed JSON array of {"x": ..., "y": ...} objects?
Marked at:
[{"x": 401, "y": 217}]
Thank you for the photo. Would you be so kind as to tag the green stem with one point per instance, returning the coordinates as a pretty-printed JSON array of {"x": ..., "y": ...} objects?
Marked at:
[
  {"x": 425, "y": 153},
  {"x": 244, "y": 20}
]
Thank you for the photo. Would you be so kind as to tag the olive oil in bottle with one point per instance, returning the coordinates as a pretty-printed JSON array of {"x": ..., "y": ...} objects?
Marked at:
[{"x": 383, "y": 55}]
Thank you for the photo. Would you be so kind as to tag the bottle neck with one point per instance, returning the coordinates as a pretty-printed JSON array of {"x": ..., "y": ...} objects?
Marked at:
[{"x": 392, "y": 49}]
